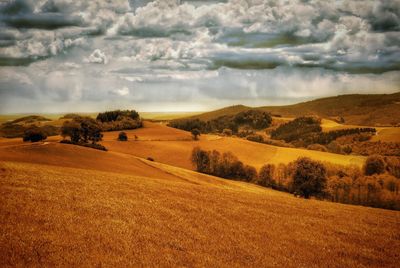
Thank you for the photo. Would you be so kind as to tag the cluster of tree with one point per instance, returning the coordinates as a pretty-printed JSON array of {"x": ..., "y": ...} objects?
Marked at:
[
  {"x": 297, "y": 129},
  {"x": 255, "y": 138},
  {"x": 224, "y": 165},
  {"x": 34, "y": 134},
  {"x": 190, "y": 124},
  {"x": 119, "y": 120},
  {"x": 82, "y": 131},
  {"x": 376, "y": 147},
  {"x": 374, "y": 185},
  {"x": 328, "y": 137},
  {"x": 125, "y": 123},
  {"x": 117, "y": 115},
  {"x": 307, "y": 131},
  {"x": 71, "y": 116},
  {"x": 252, "y": 119}
]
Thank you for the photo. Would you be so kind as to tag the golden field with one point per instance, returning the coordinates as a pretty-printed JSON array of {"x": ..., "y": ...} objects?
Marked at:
[
  {"x": 65, "y": 205},
  {"x": 174, "y": 147},
  {"x": 166, "y": 216}
]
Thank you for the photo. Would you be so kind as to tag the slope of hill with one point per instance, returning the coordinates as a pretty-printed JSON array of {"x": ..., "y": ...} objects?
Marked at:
[
  {"x": 65, "y": 205},
  {"x": 231, "y": 110},
  {"x": 65, "y": 216},
  {"x": 174, "y": 147},
  {"x": 369, "y": 110}
]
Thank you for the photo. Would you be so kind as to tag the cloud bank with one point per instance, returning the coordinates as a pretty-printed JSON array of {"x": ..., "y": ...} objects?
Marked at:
[{"x": 170, "y": 54}]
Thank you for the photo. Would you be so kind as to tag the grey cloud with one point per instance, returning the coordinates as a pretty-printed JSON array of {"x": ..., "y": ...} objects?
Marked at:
[
  {"x": 48, "y": 21},
  {"x": 209, "y": 52}
]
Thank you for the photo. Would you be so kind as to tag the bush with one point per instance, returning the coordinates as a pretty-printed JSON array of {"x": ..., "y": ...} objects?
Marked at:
[
  {"x": 255, "y": 138},
  {"x": 374, "y": 164},
  {"x": 122, "y": 136},
  {"x": 279, "y": 143},
  {"x": 309, "y": 178},
  {"x": 334, "y": 147},
  {"x": 34, "y": 134},
  {"x": 227, "y": 132},
  {"x": 317, "y": 147}
]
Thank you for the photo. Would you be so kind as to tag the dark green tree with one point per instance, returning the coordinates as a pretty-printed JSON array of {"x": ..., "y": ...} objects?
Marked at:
[
  {"x": 195, "y": 133},
  {"x": 34, "y": 134},
  {"x": 309, "y": 178},
  {"x": 375, "y": 164}
]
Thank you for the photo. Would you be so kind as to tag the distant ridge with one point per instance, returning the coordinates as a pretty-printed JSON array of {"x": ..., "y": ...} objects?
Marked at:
[{"x": 358, "y": 109}]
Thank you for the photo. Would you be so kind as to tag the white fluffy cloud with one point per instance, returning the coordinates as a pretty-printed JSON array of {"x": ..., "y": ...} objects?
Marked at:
[
  {"x": 97, "y": 56},
  {"x": 120, "y": 91},
  {"x": 187, "y": 51}
]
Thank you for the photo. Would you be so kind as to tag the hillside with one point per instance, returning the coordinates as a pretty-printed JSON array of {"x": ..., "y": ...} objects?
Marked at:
[
  {"x": 358, "y": 109},
  {"x": 63, "y": 205},
  {"x": 174, "y": 147}
]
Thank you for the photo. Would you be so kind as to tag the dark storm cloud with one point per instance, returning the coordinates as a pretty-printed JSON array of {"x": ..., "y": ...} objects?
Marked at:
[
  {"x": 20, "y": 14},
  {"x": 49, "y": 21}
]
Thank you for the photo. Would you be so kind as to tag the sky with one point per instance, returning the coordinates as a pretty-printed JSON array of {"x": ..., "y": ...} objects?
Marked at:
[{"x": 61, "y": 56}]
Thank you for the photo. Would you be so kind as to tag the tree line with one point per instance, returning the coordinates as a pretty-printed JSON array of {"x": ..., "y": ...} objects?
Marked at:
[
  {"x": 254, "y": 119},
  {"x": 374, "y": 185}
]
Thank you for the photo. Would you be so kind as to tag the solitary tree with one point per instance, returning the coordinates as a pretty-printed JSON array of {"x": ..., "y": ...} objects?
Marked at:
[
  {"x": 374, "y": 164},
  {"x": 195, "y": 133},
  {"x": 309, "y": 178}
]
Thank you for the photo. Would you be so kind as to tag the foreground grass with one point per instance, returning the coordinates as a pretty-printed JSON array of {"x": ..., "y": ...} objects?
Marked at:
[{"x": 65, "y": 216}]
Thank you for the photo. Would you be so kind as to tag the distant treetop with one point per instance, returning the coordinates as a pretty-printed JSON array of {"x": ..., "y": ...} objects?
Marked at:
[{"x": 116, "y": 115}]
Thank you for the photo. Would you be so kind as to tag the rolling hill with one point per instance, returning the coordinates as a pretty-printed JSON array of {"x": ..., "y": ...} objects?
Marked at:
[
  {"x": 65, "y": 205},
  {"x": 357, "y": 109},
  {"x": 174, "y": 147}
]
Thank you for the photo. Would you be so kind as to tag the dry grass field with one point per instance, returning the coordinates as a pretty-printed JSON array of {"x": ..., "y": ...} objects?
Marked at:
[
  {"x": 384, "y": 134},
  {"x": 161, "y": 116},
  {"x": 52, "y": 215},
  {"x": 65, "y": 205},
  {"x": 174, "y": 147}
]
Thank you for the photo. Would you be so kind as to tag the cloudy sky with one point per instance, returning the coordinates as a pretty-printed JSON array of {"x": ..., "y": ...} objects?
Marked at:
[{"x": 171, "y": 55}]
